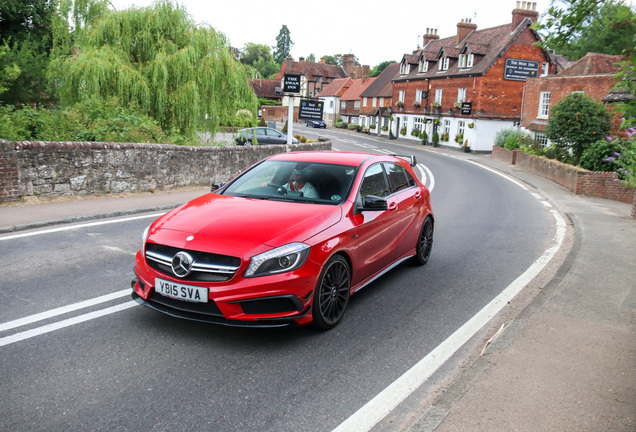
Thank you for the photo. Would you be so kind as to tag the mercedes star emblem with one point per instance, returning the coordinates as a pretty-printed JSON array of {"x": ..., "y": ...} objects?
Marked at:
[{"x": 182, "y": 264}]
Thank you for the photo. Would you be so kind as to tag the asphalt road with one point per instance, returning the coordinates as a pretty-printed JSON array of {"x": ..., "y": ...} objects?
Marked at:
[{"x": 135, "y": 369}]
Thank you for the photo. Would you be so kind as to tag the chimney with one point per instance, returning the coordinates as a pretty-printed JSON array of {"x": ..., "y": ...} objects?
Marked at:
[
  {"x": 524, "y": 9},
  {"x": 349, "y": 64},
  {"x": 464, "y": 28},
  {"x": 323, "y": 60},
  {"x": 301, "y": 59},
  {"x": 288, "y": 63},
  {"x": 431, "y": 34}
]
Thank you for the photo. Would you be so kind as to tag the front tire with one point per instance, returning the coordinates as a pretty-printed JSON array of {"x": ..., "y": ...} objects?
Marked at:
[
  {"x": 424, "y": 243},
  {"x": 332, "y": 293}
]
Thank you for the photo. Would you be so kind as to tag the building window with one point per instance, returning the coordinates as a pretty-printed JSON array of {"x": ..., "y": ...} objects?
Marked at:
[
  {"x": 470, "y": 59},
  {"x": 381, "y": 101},
  {"x": 541, "y": 139},
  {"x": 375, "y": 102},
  {"x": 438, "y": 96},
  {"x": 401, "y": 96},
  {"x": 423, "y": 67},
  {"x": 447, "y": 127},
  {"x": 545, "y": 68},
  {"x": 343, "y": 105},
  {"x": 544, "y": 105},
  {"x": 364, "y": 102},
  {"x": 418, "y": 96},
  {"x": 356, "y": 104},
  {"x": 461, "y": 95},
  {"x": 404, "y": 68},
  {"x": 331, "y": 104},
  {"x": 461, "y": 126},
  {"x": 443, "y": 63},
  {"x": 461, "y": 62},
  {"x": 418, "y": 123}
]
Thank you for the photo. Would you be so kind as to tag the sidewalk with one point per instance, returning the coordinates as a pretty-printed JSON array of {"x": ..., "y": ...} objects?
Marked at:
[{"x": 567, "y": 362}]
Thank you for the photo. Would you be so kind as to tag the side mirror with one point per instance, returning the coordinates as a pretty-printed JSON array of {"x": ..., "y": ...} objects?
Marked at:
[
  {"x": 374, "y": 203},
  {"x": 216, "y": 186}
]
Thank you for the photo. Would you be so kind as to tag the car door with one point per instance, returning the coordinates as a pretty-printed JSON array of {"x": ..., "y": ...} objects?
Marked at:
[
  {"x": 276, "y": 137},
  {"x": 377, "y": 229},
  {"x": 261, "y": 136},
  {"x": 409, "y": 199}
]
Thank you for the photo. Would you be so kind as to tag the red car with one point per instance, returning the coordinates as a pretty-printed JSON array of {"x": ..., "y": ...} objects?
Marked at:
[{"x": 287, "y": 241}]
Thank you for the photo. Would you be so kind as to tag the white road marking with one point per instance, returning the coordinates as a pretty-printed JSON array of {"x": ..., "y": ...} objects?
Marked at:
[
  {"x": 387, "y": 400},
  {"x": 79, "y": 226},
  {"x": 64, "y": 309},
  {"x": 65, "y": 323}
]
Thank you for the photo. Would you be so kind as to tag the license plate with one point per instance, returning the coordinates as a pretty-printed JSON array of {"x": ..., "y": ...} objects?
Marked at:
[{"x": 181, "y": 292}]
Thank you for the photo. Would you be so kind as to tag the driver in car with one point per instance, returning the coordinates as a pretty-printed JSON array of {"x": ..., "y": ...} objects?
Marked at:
[{"x": 298, "y": 182}]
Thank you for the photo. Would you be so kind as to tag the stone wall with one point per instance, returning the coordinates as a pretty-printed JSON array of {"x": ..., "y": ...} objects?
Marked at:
[
  {"x": 577, "y": 180},
  {"x": 56, "y": 169}
]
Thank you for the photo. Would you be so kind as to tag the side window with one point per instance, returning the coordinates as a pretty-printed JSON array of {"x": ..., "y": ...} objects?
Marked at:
[
  {"x": 397, "y": 176},
  {"x": 260, "y": 132},
  {"x": 374, "y": 182}
]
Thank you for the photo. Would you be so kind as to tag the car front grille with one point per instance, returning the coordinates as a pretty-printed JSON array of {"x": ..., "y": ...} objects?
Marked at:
[{"x": 206, "y": 267}]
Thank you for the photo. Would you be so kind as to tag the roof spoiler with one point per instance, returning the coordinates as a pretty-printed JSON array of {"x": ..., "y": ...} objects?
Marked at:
[{"x": 411, "y": 158}]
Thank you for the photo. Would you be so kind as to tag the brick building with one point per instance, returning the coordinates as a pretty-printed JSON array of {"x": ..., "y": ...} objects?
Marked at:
[
  {"x": 377, "y": 99},
  {"x": 593, "y": 74},
  {"x": 471, "y": 85},
  {"x": 351, "y": 101}
]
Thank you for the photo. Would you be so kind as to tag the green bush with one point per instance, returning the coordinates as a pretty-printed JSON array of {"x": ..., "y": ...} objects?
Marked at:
[
  {"x": 424, "y": 137},
  {"x": 403, "y": 131},
  {"x": 594, "y": 158},
  {"x": 339, "y": 125},
  {"x": 262, "y": 122},
  {"x": 511, "y": 139},
  {"x": 435, "y": 139},
  {"x": 352, "y": 126}
]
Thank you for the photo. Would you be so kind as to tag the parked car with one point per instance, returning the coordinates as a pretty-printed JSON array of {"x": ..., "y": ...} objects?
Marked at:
[
  {"x": 258, "y": 252},
  {"x": 316, "y": 124},
  {"x": 264, "y": 135}
]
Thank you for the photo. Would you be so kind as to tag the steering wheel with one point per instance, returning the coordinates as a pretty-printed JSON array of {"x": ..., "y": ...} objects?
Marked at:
[{"x": 278, "y": 188}]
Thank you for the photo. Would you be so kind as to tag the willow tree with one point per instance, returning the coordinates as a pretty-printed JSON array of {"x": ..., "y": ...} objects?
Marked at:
[{"x": 155, "y": 57}]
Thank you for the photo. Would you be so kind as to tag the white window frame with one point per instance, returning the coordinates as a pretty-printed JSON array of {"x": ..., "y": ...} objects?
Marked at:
[
  {"x": 356, "y": 104},
  {"x": 447, "y": 127},
  {"x": 364, "y": 102},
  {"x": 542, "y": 139},
  {"x": 438, "y": 96},
  {"x": 381, "y": 101},
  {"x": 343, "y": 104},
  {"x": 461, "y": 95},
  {"x": 418, "y": 123},
  {"x": 443, "y": 63},
  {"x": 461, "y": 127},
  {"x": 375, "y": 101},
  {"x": 401, "y": 96},
  {"x": 404, "y": 68},
  {"x": 470, "y": 59},
  {"x": 545, "y": 69},
  {"x": 418, "y": 95},
  {"x": 423, "y": 66},
  {"x": 461, "y": 61},
  {"x": 544, "y": 105}
]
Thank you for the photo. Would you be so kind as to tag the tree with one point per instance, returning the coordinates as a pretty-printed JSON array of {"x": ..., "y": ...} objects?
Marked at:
[
  {"x": 260, "y": 58},
  {"x": 335, "y": 60},
  {"x": 576, "y": 122},
  {"x": 576, "y": 27},
  {"x": 377, "y": 70},
  {"x": 183, "y": 76},
  {"x": 311, "y": 58},
  {"x": 25, "y": 31},
  {"x": 283, "y": 45},
  {"x": 8, "y": 73}
]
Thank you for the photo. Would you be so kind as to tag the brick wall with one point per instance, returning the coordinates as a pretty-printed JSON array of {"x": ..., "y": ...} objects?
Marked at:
[
  {"x": 577, "y": 180},
  {"x": 56, "y": 169}
]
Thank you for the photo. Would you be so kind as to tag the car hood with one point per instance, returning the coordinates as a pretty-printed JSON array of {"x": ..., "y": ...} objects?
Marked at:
[{"x": 252, "y": 223}]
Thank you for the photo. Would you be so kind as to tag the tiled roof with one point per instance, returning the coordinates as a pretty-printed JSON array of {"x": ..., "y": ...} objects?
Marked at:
[
  {"x": 311, "y": 70},
  {"x": 382, "y": 86},
  {"x": 486, "y": 45},
  {"x": 593, "y": 64},
  {"x": 335, "y": 88},
  {"x": 356, "y": 89},
  {"x": 265, "y": 88}
]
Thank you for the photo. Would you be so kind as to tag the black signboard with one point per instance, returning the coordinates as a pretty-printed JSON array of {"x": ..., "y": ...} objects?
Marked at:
[
  {"x": 310, "y": 110},
  {"x": 291, "y": 83},
  {"x": 467, "y": 108},
  {"x": 520, "y": 70}
]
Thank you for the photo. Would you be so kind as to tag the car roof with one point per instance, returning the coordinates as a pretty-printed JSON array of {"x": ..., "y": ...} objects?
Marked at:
[{"x": 334, "y": 157}]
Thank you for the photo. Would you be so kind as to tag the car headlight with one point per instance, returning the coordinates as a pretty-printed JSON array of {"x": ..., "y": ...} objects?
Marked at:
[
  {"x": 279, "y": 260},
  {"x": 144, "y": 237}
]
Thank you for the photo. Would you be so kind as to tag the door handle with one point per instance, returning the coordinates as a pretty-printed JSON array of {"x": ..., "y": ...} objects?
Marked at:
[{"x": 393, "y": 206}]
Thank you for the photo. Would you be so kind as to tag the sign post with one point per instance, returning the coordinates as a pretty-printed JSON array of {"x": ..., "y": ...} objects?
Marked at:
[{"x": 291, "y": 84}]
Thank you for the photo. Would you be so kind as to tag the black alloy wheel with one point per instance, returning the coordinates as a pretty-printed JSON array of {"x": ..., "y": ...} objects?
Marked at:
[
  {"x": 424, "y": 242},
  {"x": 332, "y": 293}
]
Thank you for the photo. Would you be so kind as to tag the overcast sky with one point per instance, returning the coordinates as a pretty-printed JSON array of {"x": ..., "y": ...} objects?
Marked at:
[{"x": 374, "y": 31}]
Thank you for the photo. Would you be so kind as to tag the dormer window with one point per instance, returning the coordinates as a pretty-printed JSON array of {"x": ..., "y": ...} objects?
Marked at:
[
  {"x": 423, "y": 67},
  {"x": 404, "y": 68},
  {"x": 465, "y": 61},
  {"x": 443, "y": 63}
]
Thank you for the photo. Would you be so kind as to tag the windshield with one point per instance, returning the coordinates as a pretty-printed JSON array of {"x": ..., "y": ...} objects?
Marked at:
[{"x": 317, "y": 183}]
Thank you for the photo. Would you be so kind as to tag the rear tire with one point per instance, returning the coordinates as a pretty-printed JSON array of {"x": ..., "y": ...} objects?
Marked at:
[
  {"x": 424, "y": 243},
  {"x": 332, "y": 293}
]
